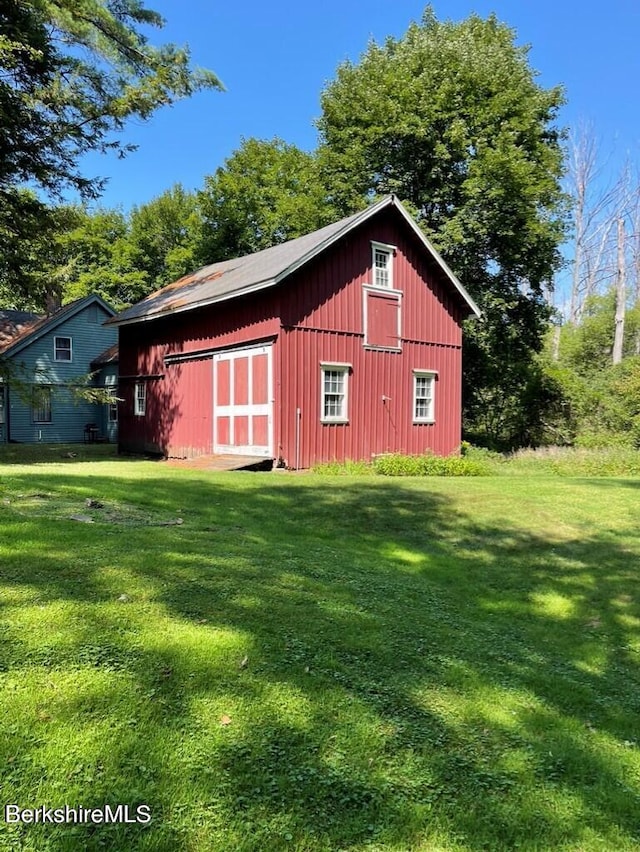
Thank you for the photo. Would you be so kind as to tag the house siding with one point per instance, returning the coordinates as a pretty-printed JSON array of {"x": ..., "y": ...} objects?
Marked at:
[{"x": 68, "y": 416}]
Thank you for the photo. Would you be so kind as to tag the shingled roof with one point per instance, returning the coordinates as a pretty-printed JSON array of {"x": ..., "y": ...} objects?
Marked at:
[
  {"x": 239, "y": 276},
  {"x": 12, "y": 323},
  {"x": 30, "y": 329}
]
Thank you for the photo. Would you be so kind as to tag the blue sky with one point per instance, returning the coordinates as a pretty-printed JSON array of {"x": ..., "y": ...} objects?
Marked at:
[{"x": 274, "y": 59}]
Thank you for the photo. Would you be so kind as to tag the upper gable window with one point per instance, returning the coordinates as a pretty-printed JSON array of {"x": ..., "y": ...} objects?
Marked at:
[
  {"x": 382, "y": 265},
  {"x": 62, "y": 348}
]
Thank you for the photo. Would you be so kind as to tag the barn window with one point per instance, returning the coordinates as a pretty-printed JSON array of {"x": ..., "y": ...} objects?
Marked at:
[
  {"x": 424, "y": 396},
  {"x": 382, "y": 265},
  {"x": 62, "y": 348},
  {"x": 140, "y": 399},
  {"x": 334, "y": 393},
  {"x": 41, "y": 404}
]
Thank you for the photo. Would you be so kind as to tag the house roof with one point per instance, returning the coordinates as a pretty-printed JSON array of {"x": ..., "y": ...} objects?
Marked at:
[
  {"x": 109, "y": 356},
  {"x": 12, "y": 323},
  {"x": 39, "y": 325},
  {"x": 229, "y": 279}
]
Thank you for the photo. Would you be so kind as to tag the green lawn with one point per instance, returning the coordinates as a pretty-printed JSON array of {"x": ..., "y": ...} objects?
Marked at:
[{"x": 318, "y": 663}]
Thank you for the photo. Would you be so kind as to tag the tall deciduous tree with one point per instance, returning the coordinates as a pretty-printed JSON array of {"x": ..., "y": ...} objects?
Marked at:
[
  {"x": 450, "y": 117},
  {"x": 267, "y": 192},
  {"x": 165, "y": 236},
  {"x": 72, "y": 72}
]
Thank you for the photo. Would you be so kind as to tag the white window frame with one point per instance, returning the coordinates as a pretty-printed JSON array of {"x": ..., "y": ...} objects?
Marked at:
[
  {"x": 390, "y": 251},
  {"x": 333, "y": 367},
  {"x": 57, "y": 349},
  {"x": 45, "y": 402},
  {"x": 433, "y": 376},
  {"x": 140, "y": 399},
  {"x": 112, "y": 406}
]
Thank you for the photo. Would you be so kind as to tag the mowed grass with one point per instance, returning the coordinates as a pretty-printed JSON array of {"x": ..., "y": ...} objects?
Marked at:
[{"x": 315, "y": 663}]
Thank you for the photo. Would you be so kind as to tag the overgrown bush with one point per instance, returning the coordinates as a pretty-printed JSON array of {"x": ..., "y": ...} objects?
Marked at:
[
  {"x": 428, "y": 464},
  {"x": 575, "y": 461},
  {"x": 396, "y": 464}
]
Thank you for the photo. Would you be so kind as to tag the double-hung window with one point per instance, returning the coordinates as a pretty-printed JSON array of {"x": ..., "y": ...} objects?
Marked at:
[
  {"x": 334, "y": 392},
  {"x": 424, "y": 382},
  {"x": 62, "y": 349},
  {"x": 41, "y": 404},
  {"x": 140, "y": 399},
  {"x": 382, "y": 263},
  {"x": 113, "y": 406}
]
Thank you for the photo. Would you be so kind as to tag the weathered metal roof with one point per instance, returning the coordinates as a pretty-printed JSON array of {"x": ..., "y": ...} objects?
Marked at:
[{"x": 238, "y": 276}]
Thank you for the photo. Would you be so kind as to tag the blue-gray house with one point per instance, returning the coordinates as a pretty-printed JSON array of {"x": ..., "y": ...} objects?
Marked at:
[{"x": 46, "y": 356}]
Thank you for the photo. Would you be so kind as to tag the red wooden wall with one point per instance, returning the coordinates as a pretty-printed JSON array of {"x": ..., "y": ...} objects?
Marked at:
[
  {"x": 322, "y": 318},
  {"x": 315, "y": 315}
]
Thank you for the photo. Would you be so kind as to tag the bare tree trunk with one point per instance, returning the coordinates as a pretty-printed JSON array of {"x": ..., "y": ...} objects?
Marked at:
[
  {"x": 555, "y": 343},
  {"x": 621, "y": 296}
]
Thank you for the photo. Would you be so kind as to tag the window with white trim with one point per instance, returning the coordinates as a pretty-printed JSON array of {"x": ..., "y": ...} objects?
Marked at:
[
  {"x": 382, "y": 265},
  {"x": 334, "y": 393},
  {"x": 62, "y": 348},
  {"x": 140, "y": 399},
  {"x": 41, "y": 404},
  {"x": 112, "y": 406},
  {"x": 424, "y": 383}
]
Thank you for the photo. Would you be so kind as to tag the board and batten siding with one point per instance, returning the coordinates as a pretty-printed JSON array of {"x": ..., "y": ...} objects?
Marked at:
[
  {"x": 173, "y": 356},
  {"x": 68, "y": 416},
  {"x": 316, "y": 315},
  {"x": 324, "y": 321}
]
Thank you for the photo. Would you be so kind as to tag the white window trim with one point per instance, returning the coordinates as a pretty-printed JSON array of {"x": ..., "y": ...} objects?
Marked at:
[
  {"x": 391, "y": 250},
  {"x": 112, "y": 406},
  {"x": 337, "y": 367},
  {"x": 40, "y": 389},
  {"x": 398, "y": 294},
  {"x": 55, "y": 348},
  {"x": 433, "y": 375},
  {"x": 140, "y": 403}
]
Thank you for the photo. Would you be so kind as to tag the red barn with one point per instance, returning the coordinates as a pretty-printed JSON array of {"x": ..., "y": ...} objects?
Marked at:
[{"x": 342, "y": 344}]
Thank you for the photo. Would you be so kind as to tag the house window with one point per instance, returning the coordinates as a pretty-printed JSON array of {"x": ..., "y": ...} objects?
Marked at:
[
  {"x": 62, "y": 348},
  {"x": 382, "y": 265},
  {"x": 41, "y": 404},
  {"x": 424, "y": 396},
  {"x": 140, "y": 399},
  {"x": 334, "y": 393},
  {"x": 113, "y": 406}
]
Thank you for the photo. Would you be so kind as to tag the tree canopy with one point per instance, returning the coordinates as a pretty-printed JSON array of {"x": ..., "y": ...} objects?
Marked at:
[
  {"x": 266, "y": 192},
  {"x": 451, "y": 119},
  {"x": 72, "y": 72}
]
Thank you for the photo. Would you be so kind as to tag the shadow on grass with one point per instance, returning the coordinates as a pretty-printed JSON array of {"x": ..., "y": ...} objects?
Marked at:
[
  {"x": 28, "y": 454},
  {"x": 417, "y": 673}
]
